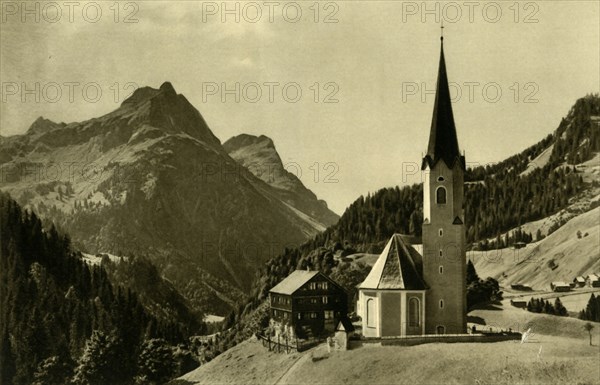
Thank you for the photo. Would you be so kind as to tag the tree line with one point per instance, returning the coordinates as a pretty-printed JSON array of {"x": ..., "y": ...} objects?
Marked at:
[
  {"x": 540, "y": 305},
  {"x": 592, "y": 309},
  {"x": 63, "y": 321}
]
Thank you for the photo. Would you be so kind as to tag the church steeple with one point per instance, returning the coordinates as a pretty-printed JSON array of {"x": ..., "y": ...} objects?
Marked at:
[
  {"x": 443, "y": 142},
  {"x": 443, "y": 230}
]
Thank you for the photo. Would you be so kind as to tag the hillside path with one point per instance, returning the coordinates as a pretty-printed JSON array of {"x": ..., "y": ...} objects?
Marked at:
[{"x": 300, "y": 360}]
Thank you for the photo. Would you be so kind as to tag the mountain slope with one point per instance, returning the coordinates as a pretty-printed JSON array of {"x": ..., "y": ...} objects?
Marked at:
[
  {"x": 561, "y": 256},
  {"x": 54, "y": 305},
  {"x": 151, "y": 179},
  {"x": 258, "y": 154}
]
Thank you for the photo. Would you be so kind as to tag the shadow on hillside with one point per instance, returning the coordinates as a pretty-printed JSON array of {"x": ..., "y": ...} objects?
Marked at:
[
  {"x": 179, "y": 382},
  {"x": 476, "y": 320},
  {"x": 496, "y": 305}
]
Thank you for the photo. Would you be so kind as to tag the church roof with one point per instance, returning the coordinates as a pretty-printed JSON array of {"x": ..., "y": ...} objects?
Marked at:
[
  {"x": 294, "y": 281},
  {"x": 443, "y": 142},
  {"x": 399, "y": 266}
]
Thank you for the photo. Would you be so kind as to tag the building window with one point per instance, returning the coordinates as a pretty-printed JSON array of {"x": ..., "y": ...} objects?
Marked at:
[
  {"x": 441, "y": 232},
  {"x": 440, "y": 196},
  {"x": 328, "y": 314},
  {"x": 371, "y": 313},
  {"x": 325, "y": 300},
  {"x": 285, "y": 315},
  {"x": 299, "y": 315},
  {"x": 313, "y": 315},
  {"x": 441, "y": 329},
  {"x": 441, "y": 269},
  {"x": 440, "y": 179},
  {"x": 312, "y": 286},
  {"x": 441, "y": 303},
  {"x": 441, "y": 253},
  {"x": 414, "y": 312}
]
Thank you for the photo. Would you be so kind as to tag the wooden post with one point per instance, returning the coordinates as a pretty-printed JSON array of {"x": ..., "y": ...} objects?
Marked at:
[
  {"x": 269, "y": 342},
  {"x": 278, "y": 345}
]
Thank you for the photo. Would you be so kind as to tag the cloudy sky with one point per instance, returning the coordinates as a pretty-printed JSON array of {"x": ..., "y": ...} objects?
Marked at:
[{"x": 344, "y": 88}]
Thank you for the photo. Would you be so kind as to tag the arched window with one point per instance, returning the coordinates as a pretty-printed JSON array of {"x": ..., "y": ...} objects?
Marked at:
[
  {"x": 441, "y": 232},
  {"x": 441, "y": 269},
  {"x": 414, "y": 312},
  {"x": 371, "y": 313},
  {"x": 440, "y": 195},
  {"x": 441, "y": 329},
  {"x": 441, "y": 303}
]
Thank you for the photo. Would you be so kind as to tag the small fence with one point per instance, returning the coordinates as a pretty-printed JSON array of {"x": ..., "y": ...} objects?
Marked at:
[{"x": 285, "y": 345}]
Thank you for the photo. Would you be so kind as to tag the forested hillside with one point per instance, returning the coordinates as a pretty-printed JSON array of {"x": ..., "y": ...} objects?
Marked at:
[
  {"x": 498, "y": 198},
  {"x": 63, "y": 320}
]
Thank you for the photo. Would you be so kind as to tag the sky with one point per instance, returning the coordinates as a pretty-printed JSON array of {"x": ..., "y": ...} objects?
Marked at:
[{"x": 344, "y": 88}]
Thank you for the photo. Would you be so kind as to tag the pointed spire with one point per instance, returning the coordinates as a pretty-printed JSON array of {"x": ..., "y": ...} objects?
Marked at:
[{"x": 443, "y": 142}]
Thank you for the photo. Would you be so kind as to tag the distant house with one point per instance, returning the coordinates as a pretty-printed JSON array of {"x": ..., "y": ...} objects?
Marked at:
[
  {"x": 560, "y": 286},
  {"x": 307, "y": 303},
  {"x": 521, "y": 303},
  {"x": 579, "y": 281},
  {"x": 521, "y": 287},
  {"x": 593, "y": 280},
  {"x": 519, "y": 245}
]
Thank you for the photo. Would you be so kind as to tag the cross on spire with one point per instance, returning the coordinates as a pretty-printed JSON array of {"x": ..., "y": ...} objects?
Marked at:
[{"x": 442, "y": 30}]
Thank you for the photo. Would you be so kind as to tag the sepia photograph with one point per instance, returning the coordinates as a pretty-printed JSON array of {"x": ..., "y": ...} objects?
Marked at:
[{"x": 299, "y": 192}]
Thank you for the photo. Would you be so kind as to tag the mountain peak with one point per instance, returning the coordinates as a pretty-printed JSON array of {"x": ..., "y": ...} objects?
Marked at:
[
  {"x": 140, "y": 95},
  {"x": 168, "y": 89},
  {"x": 163, "y": 108},
  {"x": 41, "y": 125},
  {"x": 246, "y": 140},
  {"x": 259, "y": 156}
]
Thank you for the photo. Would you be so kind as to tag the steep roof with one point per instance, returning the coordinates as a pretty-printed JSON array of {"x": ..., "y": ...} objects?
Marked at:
[
  {"x": 293, "y": 281},
  {"x": 345, "y": 325},
  {"x": 443, "y": 142},
  {"x": 399, "y": 266}
]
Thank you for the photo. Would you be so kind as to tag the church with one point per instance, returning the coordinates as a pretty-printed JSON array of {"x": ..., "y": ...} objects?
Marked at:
[{"x": 409, "y": 292}]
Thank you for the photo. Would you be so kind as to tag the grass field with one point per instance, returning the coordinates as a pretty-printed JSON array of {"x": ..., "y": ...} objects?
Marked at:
[{"x": 557, "y": 352}]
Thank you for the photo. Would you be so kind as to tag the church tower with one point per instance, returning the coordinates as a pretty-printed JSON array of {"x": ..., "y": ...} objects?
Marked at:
[{"x": 444, "y": 265}]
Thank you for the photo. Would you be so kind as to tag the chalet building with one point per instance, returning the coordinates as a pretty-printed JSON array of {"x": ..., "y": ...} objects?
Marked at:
[
  {"x": 579, "y": 281},
  {"x": 593, "y": 280},
  {"x": 520, "y": 303},
  {"x": 559, "y": 286},
  {"x": 307, "y": 303},
  {"x": 521, "y": 287},
  {"x": 408, "y": 293}
]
